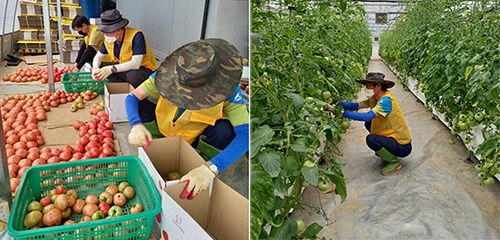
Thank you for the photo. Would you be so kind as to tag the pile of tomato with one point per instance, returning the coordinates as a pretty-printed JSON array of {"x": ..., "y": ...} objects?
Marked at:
[
  {"x": 36, "y": 73},
  {"x": 24, "y": 142},
  {"x": 63, "y": 206}
]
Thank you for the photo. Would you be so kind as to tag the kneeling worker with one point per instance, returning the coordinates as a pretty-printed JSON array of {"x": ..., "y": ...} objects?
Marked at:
[
  {"x": 389, "y": 134},
  {"x": 199, "y": 100}
]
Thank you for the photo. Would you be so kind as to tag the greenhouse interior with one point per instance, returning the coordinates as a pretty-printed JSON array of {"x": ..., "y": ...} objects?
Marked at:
[{"x": 250, "y": 119}]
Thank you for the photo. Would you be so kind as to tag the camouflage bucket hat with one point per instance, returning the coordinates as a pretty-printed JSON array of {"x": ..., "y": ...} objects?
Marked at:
[
  {"x": 376, "y": 77},
  {"x": 200, "y": 74}
]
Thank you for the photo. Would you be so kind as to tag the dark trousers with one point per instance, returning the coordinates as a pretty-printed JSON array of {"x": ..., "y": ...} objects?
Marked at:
[
  {"x": 135, "y": 78},
  {"x": 219, "y": 135},
  {"x": 377, "y": 142}
]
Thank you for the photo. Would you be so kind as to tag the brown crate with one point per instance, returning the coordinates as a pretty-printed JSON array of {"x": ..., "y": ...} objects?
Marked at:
[
  {"x": 71, "y": 11},
  {"x": 72, "y": 44},
  {"x": 31, "y": 8}
]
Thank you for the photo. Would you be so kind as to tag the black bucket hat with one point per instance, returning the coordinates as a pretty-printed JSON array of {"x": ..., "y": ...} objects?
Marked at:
[{"x": 376, "y": 77}]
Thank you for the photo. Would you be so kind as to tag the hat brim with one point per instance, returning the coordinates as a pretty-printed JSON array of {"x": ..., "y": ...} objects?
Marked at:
[
  {"x": 212, "y": 93},
  {"x": 113, "y": 27},
  {"x": 389, "y": 84}
]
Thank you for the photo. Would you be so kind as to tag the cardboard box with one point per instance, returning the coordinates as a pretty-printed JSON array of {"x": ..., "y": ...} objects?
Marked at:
[
  {"x": 220, "y": 213},
  {"x": 114, "y": 99}
]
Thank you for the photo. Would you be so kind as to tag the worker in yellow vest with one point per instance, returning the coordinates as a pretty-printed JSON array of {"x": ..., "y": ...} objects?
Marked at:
[
  {"x": 389, "y": 134},
  {"x": 92, "y": 40},
  {"x": 129, "y": 55},
  {"x": 131, "y": 59},
  {"x": 199, "y": 100}
]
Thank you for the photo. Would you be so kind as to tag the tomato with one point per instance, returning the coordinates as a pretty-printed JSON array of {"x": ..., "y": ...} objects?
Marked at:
[
  {"x": 129, "y": 192},
  {"x": 119, "y": 199},
  {"x": 106, "y": 197},
  {"x": 104, "y": 207},
  {"x": 32, "y": 218},
  {"x": 309, "y": 164},
  {"x": 91, "y": 198},
  {"x": 136, "y": 208},
  {"x": 89, "y": 209},
  {"x": 300, "y": 226},
  {"x": 52, "y": 217},
  {"x": 478, "y": 167},
  {"x": 113, "y": 189},
  {"x": 323, "y": 186},
  {"x": 326, "y": 95},
  {"x": 78, "y": 206},
  {"x": 489, "y": 181}
]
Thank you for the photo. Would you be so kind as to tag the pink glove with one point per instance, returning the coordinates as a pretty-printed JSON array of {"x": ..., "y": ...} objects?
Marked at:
[
  {"x": 197, "y": 180},
  {"x": 139, "y": 136}
]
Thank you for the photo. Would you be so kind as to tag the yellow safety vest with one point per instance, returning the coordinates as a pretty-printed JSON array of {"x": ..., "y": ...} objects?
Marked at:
[
  {"x": 92, "y": 29},
  {"x": 190, "y": 124},
  {"x": 392, "y": 125},
  {"x": 148, "y": 61}
]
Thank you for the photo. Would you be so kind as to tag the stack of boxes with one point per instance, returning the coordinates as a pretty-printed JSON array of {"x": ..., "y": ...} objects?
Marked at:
[{"x": 32, "y": 33}]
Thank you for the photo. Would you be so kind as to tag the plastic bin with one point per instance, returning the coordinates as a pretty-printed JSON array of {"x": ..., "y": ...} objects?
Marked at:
[
  {"x": 91, "y": 8},
  {"x": 88, "y": 177},
  {"x": 77, "y": 82}
]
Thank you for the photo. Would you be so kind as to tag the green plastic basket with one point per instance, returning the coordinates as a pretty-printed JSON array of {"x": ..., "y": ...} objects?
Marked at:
[
  {"x": 88, "y": 177},
  {"x": 77, "y": 82}
]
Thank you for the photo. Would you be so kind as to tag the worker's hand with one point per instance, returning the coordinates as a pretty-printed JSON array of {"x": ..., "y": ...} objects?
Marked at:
[
  {"x": 329, "y": 109},
  {"x": 103, "y": 73},
  {"x": 198, "y": 180},
  {"x": 94, "y": 74},
  {"x": 139, "y": 136}
]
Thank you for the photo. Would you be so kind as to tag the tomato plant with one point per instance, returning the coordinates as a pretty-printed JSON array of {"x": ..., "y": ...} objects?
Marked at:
[
  {"x": 451, "y": 48},
  {"x": 304, "y": 57}
]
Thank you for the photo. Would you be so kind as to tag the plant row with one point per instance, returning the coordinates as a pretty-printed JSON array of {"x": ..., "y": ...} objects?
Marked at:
[
  {"x": 305, "y": 55},
  {"x": 452, "y": 48}
]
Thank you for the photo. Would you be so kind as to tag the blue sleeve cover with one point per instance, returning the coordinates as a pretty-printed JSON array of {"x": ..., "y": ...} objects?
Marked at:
[
  {"x": 350, "y": 105},
  {"x": 360, "y": 116},
  {"x": 132, "y": 108},
  {"x": 234, "y": 150}
]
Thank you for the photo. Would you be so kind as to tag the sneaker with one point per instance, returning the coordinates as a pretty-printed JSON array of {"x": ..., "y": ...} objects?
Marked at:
[{"x": 390, "y": 168}]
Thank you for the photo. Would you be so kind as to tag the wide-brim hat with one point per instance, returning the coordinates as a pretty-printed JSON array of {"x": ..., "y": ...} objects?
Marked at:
[
  {"x": 376, "y": 77},
  {"x": 112, "y": 20},
  {"x": 200, "y": 74}
]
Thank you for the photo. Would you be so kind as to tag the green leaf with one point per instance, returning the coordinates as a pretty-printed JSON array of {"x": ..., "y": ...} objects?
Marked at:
[
  {"x": 297, "y": 100},
  {"x": 300, "y": 145},
  {"x": 270, "y": 161},
  {"x": 262, "y": 192},
  {"x": 487, "y": 147},
  {"x": 260, "y": 137},
  {"x": 311, "y": 231},
  {"x": 256, "y": 221},
  {"x": 286, "y": 231},
  {"x": 339, "y": 181},
  {"x": 310, "y": 174}
]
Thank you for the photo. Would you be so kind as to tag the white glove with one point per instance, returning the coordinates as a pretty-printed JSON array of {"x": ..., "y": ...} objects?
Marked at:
[
  {"x": 140, "y": 136},
  {"x": 198, "y": 180},
  {"x": 94, "y": 74},
  {"x": 103, "y": 73}
]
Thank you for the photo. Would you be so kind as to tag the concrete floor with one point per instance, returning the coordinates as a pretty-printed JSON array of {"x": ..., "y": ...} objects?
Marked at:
[
  {"x": 436, "y": 195},
  {"x": 235, "y": 175}
]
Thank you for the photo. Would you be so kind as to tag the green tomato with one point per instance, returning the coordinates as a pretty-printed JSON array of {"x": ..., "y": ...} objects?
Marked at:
[
  {"x": 462, "y": 117},
  {"x": 478, "y": 167},
  {"x": 489, "y": 181},
  {"x": 481, "y": 175},
  {"x": 300, "y": 226},
  {"x": 467, "y": 140},
  {"x": 479, "y": 117},
  {"x": 323, "y": 186},
  {"x": 309, "y": 164},
  {"x": 462, "y": 125},
  {"x": 345, "y": 125},
  {"x": 327, "y": 95},
  {"x": 452, "y": 141}
]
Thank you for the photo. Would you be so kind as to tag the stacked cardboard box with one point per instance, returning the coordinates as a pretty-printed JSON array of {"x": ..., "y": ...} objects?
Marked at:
[{"x": 31, "y": 26}]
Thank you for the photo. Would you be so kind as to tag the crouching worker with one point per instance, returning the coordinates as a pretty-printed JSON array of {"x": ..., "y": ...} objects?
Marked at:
[
  {"x": 389, "y": 134},
  {"x": 199, "y": 100}
]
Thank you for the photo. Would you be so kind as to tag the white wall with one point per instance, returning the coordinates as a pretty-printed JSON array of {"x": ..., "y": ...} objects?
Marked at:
[
  {"x": 168, "y": 24},
  {"x": 229, "y": 19}
]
